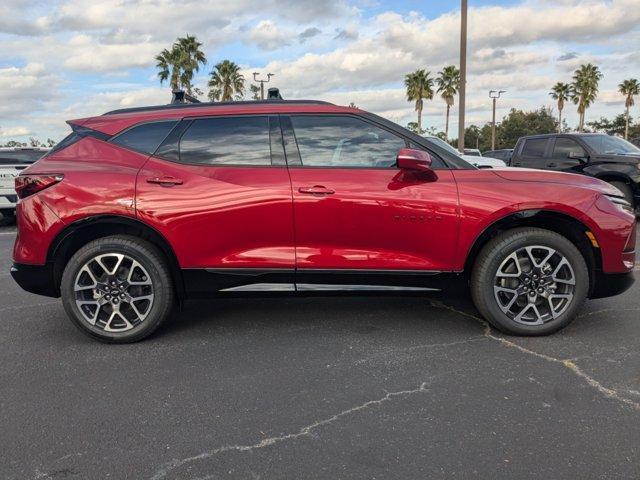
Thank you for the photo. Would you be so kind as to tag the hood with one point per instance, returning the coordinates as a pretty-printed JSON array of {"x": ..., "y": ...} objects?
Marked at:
[{"x": 545, "y": 176}]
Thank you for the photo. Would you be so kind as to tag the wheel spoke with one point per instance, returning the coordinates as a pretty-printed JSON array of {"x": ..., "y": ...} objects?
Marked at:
[
  {"x": 505, "y": 308},
  {"x": 516, "y": 261},
  {"x": 77, "y": 287},
  {"x": 91, "y": 319}
]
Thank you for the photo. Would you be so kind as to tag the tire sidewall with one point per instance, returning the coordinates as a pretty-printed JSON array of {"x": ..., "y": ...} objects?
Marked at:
[
  {"x": 500, "y": 253},
  {"x": 160, "y": 279}
]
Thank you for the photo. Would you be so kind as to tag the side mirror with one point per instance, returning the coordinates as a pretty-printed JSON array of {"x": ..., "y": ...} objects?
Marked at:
[
  {"x": 416, "y": 160},
  {"x": 578, "y": 156}
]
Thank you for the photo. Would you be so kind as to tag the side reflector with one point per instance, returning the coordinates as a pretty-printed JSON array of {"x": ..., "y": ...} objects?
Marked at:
[
  {"x": 27, "y": 185},
  {"x": 592, "y": 237}
]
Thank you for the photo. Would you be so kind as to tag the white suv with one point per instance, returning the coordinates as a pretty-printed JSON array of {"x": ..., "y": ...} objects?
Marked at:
[{"x": 12, "y": 161}]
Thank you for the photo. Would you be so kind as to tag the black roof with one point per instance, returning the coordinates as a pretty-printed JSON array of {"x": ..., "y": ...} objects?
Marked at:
[{"x": 173, "y": 106}]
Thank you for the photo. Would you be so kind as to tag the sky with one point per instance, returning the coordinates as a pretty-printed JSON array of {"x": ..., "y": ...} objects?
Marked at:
[{"x": 68, "y": 59}]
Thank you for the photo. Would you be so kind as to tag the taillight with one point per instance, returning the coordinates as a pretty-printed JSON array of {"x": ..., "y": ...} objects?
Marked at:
[{"x": 27, "y": 185}]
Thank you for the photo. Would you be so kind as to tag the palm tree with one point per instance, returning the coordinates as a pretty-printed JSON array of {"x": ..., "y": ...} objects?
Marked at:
[
  {"x": 178, "y": 64},
  {"x": 584, "y": 89},
  {"x": 561, "y": 92},
  {"x": 419, "y": 88},
  {"x": 629, "y": 88},
  {"x": 226, "y": 81},
  {"x": 169, "y": 67},
  {"x": 191, "y": 59},
  {"x": 448, "y": 84}
]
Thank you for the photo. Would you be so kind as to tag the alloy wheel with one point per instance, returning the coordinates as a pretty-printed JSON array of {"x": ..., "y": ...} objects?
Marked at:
[
  {"x": 534, "y": 285},
  {"x": 113, "y": 292}
]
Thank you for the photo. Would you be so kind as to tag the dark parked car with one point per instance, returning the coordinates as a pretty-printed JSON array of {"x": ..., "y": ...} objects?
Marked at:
[
  {"x": 598, "y": 155},
  {"x": 504, "y": 154}
]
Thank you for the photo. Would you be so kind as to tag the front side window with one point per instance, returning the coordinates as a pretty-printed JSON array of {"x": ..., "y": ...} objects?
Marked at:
[
  {"x": 343, "y": 141},
  {"x": 610, "y": 145},
  {"x": 144, "y": 137},
  {"x": 227, "y": 141},
  {"x": 534, "y": 147},
  {"x": 565, "y": 148}
]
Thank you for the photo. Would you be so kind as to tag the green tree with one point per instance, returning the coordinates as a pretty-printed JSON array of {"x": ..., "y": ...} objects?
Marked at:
[
  {"x": 226, "y": 82},
  {"x": 448, "y": 81},
  {"x": 518, "y": 124},
  {"x": 629, "y": 88},
  {"x": 584, "y": 89},
  {"x": 178, "y": 64},
  {"x": 419, "y": 86},
  {"x": 561, "y": 92},
  {"x": 616, "y": 126},
  {"x": 254, "y": 90}
]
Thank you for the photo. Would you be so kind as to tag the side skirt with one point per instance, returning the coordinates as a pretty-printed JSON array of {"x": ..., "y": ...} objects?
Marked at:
[{"x": 208, "y": 283}]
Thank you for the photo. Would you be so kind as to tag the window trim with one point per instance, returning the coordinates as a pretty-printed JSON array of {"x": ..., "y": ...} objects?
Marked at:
[
  {"x": 565, "y": 137},
  {"x": 112, "y": 139},
  {"x": 298, "y": 158},
  {"x": 186, "y": 122}
]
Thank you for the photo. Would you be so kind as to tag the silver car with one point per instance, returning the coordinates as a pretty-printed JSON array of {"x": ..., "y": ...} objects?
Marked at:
[{"x": 12, "y": 161}]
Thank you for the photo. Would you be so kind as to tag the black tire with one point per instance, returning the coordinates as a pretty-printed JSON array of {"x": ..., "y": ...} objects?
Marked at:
[
  {"x": 626, "y": 190},
  {"x": 7, "y": 218},
  {"x": 497, "y": 251},
  {"x": 151, "y": 260}
]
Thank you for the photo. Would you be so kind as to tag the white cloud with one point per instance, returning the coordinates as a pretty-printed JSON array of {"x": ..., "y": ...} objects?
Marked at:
[
  {"x": 268, "y": 36},
  {"x": 14, "y": 132}
]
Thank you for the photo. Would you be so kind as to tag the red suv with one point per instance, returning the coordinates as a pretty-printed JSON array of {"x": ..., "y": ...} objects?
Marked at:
[{"x": 140, "y": 209}]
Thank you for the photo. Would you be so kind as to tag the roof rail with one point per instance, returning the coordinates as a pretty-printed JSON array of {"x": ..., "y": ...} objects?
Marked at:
[{"x": 173, "y": 106}]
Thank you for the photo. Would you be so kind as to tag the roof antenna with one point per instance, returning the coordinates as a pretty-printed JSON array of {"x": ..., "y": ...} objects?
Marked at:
[
  {"x": 180, "y": 96},
  {"x": 274, "y": 94}
]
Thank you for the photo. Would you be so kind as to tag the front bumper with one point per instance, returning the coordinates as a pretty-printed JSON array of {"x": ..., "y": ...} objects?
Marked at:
[
  {"x": 611, "y": 284},
  {"x": 36, "y": 279}
]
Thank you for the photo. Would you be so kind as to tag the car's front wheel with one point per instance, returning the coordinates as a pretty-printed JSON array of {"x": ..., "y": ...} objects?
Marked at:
[
  {"x": 117, "y": 289},
  {"x": 529, "y": 281}
]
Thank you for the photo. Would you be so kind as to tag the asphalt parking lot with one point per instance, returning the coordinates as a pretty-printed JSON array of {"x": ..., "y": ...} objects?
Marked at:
[{"x": 332, "y": 388}]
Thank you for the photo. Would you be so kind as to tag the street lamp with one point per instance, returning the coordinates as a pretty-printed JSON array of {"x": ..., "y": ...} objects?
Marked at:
[
  {"x": 494, "y": 95},
  {"x": 262, "y": 82},
  {"x": 463, "y": 73}
]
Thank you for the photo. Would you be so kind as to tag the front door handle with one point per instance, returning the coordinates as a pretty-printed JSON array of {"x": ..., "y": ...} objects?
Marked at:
[
  {"x": 316, "y": 190},
  {"x": 165, "y": 181},
  {"x": 552, "y": 165}
]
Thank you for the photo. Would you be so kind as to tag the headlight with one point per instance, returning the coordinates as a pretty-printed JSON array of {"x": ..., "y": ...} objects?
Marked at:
[{"x": 621, "y": 203}]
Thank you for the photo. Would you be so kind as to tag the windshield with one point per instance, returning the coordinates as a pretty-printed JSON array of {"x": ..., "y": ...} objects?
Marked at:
[
  {"x": 441, "y": 143},
  {"x": 606, "y": 144}
]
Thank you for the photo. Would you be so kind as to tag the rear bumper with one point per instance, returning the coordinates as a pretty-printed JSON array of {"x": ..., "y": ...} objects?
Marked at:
[
  {"x": 611, "y": 284},
  {"x": 36, "y": 279}
]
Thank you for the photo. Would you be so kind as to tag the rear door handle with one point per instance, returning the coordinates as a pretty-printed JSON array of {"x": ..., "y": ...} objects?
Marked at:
[
  {"x": 551, "y": 165},
  {"x": 316, "y": 190},
  {"x": 165, "y": 181}
]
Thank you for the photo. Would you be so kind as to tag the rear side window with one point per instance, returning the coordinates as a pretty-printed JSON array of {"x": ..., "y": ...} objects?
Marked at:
[
  {"x": 534, "y": 147},
  {"x": 342, "y": 141},
  {"x": 20, "y": 156},
  {"x": 145, "y": 137},
  {"x": 227, "y": 141}
]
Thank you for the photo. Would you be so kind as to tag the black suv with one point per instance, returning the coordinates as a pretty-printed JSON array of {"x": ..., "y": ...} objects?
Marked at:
[{"x": 608, "y": 158}]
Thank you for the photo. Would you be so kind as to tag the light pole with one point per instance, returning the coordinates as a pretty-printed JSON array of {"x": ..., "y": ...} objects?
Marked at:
[
  {"x": 494, "y": 95},
  {"x": 262, "y": 82},
  {"x": 463, "y": 73}
]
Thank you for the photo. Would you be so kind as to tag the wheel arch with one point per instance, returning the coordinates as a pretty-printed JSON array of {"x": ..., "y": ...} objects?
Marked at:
[
  {"x": 81, "y": 232},
  {"x": 566, "y": 225}
]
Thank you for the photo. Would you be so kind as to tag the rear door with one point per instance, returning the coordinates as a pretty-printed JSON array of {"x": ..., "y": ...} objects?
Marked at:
[
  {"x": 218, "y": 189},
  {"x": 567, "y": 155},
  {"x": 532, "y": 154},
  {"x": 358, "y": 219}
]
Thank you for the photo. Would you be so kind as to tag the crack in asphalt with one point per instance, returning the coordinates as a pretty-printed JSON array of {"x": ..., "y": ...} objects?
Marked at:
[
  {"x": 303, "y": 432},
  {"x": 567, "y": 363}
]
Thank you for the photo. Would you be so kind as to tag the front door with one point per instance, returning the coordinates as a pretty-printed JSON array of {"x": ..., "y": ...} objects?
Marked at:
[
  {"x": 359, "y": 219},
  {"x": 567, "y": 155}
]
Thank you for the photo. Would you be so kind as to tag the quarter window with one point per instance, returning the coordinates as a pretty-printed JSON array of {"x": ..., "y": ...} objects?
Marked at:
[
  {"x": 145, "y": 137},
  {"x": 534, "y": 147},
  {"x": 565, "y": 147},
  {"x": 227, "y": 141},
  {"x": 342, "y": 141}
]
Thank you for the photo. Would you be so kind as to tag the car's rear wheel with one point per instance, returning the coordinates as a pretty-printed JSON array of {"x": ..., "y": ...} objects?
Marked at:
[
  {"x": 117, "y": 289},
  {"x": 529, "y": 281}
]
